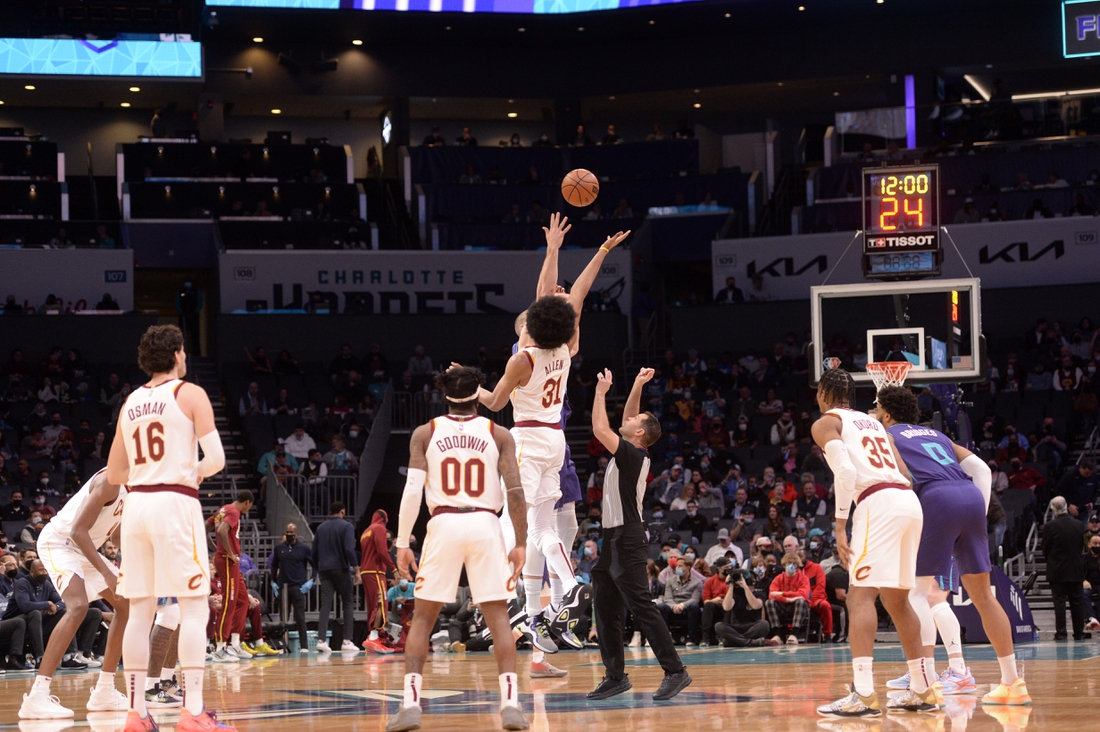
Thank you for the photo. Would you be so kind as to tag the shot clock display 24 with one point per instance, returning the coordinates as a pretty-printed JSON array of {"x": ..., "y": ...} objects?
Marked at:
[{"x": 901, "y": 218}]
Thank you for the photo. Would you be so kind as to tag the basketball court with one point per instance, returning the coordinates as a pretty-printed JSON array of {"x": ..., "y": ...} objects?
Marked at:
[{"x": 772, "y": 689}]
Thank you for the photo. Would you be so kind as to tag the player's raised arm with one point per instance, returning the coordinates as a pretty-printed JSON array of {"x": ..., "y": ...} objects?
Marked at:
[
  {"x": 101, "y": 493},
  {"x": 588, "y": 275},
  {"x": 555, "y": 235},
  {"x": 601, "y": 426},
  {"x": 516, "y": 373},
  {"x": 634, "y": 401},
  {"x": 977, "y": 469},
  {"x": 195, "y": 405},
  {"x": 412, "y": 498},
  {"x": 513, "y": 494}
]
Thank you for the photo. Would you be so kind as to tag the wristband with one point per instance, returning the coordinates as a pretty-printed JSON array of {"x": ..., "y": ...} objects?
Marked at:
[{"x": 605, "y": 249}]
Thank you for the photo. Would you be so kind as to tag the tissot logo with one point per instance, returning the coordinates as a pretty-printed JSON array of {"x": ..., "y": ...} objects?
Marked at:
[
  {"x": 785, "y": 267},
  {"x": 1021, "y": 251},
  {"x": 884, "y": 242}
]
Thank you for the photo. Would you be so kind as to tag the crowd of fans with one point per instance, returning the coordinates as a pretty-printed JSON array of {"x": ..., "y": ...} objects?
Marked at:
[{"x": 579, "y": 138}]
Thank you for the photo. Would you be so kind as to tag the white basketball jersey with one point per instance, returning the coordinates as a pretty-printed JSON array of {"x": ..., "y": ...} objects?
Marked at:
[
  {"x": 462, "y": 464},
  {"x": 540, "y": 400},
  {"x": 110, "y": 515},
  {"x": 869, "y": 449},
  {"x": 160, "y": 441}
]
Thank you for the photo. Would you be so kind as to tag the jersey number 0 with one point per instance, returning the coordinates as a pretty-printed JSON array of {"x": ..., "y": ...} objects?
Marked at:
[{"x": 454, "y": 477}]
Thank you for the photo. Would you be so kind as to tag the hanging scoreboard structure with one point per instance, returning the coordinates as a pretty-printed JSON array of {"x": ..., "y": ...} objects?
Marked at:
[{"x": 901, "y": 222}]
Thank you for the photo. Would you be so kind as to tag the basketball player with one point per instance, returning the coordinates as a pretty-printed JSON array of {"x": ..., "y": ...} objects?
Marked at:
[
  {"x": 886, "y": 528},
  {"x": 953, "y": 484},
  {"x": 461, "y": 459},
  {"x": 227, "y": 567},
  {"x": 161, "y": 425},
  {"x": 68, "y": 547},
  {"x": 534, "y": 379}
]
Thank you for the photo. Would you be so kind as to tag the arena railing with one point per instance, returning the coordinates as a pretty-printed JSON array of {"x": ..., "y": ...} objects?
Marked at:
[
  {"x": 282, "y": 510},
  {"x": 314, "y": 495}
]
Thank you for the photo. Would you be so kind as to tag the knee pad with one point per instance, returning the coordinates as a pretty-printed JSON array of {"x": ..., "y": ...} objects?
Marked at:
[
  {"x": 194, "y": 609},
  {"x": 169, "y": 617}
]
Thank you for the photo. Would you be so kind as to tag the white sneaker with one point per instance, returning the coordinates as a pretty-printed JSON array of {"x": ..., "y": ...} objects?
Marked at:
[
  {"x": 107, "y": 699},
  {"x": 902, "y": 682},
  {"x": 89, "y": 662},
  {"x": 222, "y": 656},
  {"x": 792, "y": 640},
  {"x": 238, "y": 652},
  {"x": 636, "y": 641},
  {"x": 1093, "y": 624},
  {"x": 323, "y": 647},
  {"x": 350, "y": 647},
  {"x": 43, "y": 706}
]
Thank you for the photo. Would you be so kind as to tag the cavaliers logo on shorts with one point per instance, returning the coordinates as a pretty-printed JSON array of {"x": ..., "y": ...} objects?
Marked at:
[
  {"x": 195, "y": 582},
  {"x": 863, "y": 573}
]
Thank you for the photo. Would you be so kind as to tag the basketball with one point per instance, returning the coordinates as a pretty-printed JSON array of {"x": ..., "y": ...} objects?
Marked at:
[{"x": 580, "y": 187}]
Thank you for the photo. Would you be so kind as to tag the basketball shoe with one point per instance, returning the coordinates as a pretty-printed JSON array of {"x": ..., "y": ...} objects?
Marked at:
[
  {"x": 205, "y": 722},
  {"x": 136, "y": 723},
  {"x": 41, "y": 705},
  {"x": 107, "y": 699},
  {"x": 1011, "y": 695},
  {"x": 902, "y": 682},
  {"x": 544, "y": 670},
  {"x": 910, "y": 701},
  {"x": 957, "y": 683},
  {"x": 537, "y": 632},
  {"x": 852, "y": 705}
]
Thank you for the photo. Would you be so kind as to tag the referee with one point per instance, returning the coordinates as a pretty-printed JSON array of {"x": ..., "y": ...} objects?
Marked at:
[{"x": 619, "y": 577}]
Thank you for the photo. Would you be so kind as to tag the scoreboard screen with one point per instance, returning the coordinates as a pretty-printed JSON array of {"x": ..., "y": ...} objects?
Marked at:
[{"x": 901, "y": 217}]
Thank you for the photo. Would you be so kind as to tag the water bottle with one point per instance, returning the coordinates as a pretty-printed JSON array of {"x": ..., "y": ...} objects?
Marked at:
[{"x": 1035, "y": 634}]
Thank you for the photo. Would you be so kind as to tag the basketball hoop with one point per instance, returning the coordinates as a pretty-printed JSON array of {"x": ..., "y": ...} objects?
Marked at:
[
  {"x": 888, "y": 373},
  {"x": 830, "y": 363}
]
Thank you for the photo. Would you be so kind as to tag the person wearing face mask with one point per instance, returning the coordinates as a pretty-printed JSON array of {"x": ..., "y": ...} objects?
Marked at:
[
  {"x": 315, "y": 472},
  {"x": 819, "y": 602},
  {"x": 44, "y": 509},
  {"x": 400, "y": 594},
  {"x": 35, "y": 598},
  {"x": 683, "y": 598},
  {"x": 788, "y": 603},
  {"x": 33, "y": 529},
  {"x": 290, "y": 574},
  {"x": 15, "y": 510},
  {"x": 693, "y": 522},
  {"x": 742, "y": 626},
  {"x": 376, "y": 562},
  {"x": 1024, "y": 477},
  {"x": 590, "y": 554}
]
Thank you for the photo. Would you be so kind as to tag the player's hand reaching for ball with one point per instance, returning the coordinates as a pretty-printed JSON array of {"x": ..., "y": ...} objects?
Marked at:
[
  {"x": 405, "y": 558},
  {"x": 518, "y": 557},
  {"x": 643, "y": 376},
  {"x": 555, "y": 234},
  {"x": 615, "y": 240},
  {"x": 603, "y": 382}
]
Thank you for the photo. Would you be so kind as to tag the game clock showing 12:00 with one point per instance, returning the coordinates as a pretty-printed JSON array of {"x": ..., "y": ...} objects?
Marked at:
[{"x": 901, "y": 202}]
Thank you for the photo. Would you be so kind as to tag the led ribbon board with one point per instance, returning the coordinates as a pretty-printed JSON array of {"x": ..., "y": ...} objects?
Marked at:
[
  {"x": 1080, "y": 28},
  {"x": 449, "y": 6},
  {"x": 75, "y": 57}
]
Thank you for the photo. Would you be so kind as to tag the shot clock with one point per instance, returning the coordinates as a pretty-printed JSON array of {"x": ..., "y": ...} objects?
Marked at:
[{"x": 901, "y": 222}]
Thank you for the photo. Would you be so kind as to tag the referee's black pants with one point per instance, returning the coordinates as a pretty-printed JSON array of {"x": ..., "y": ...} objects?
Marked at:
[{"x": 619, "y": 580}]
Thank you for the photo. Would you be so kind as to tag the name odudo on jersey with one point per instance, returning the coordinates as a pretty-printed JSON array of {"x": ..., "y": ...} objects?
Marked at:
[
  {"x": 867, "y": 424},
  {"x": 144, "y": 410}
]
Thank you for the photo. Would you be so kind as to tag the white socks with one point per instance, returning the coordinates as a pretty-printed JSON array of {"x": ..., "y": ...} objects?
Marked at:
[
  {"x": 532, "y": 589},
  {"x": 373, "y": 635},
  {"x": 918, "y": 675},
  {"x": 509, "y": 690},
  {"x": 930, "y": 668},
  {"x": 1008, "y": 668},
  {"x": 412, "y": 690},
  {"x": 537, "y": 656},
  {"x": 956, "y": 663},
  {"x": 235, "y": 640},
  {"x": 192, "y": 690},
  {"x": 864, "y": 675},
  {"x": 106, "y": 680},
  {"x": 166, "y": 674},
  {"x": 135, "y": 687},
  {"x": 557, "y": 590},
  {"x": 41, "y": 685}
]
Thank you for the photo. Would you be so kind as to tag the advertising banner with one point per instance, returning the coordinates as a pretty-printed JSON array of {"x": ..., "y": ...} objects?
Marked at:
[
  {"x": 1011, "y": 599},
  {"x": 1002, "y": 254},
  {"x": 407, "y": 283},
  {"x": 77, "y": 277}
]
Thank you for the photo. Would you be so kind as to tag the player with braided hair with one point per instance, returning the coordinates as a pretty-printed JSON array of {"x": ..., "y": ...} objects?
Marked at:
[{"x": 886, "y": 529}]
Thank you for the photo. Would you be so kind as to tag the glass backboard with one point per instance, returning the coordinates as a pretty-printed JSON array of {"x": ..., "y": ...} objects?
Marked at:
[{"x": 934, "y": 324}]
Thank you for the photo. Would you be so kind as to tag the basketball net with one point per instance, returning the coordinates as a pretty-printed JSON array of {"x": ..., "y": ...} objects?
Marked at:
[{"x": 888, "y": 373}]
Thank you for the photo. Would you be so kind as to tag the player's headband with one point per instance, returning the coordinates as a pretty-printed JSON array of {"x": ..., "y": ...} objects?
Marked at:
[{"x": 461, "y": 400}]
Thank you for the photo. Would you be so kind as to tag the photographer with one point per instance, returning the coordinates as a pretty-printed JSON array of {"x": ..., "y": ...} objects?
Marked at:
[
  {"x": 743, "y": 625},
  {"x": 713, "y": 590}
]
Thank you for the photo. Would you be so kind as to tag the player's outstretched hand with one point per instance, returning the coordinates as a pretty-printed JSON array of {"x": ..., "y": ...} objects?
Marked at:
[
  {"x": 643, "y": 376},
  {"x": 405, "y": 559},
  {"x": 454, "y": 365},
  {"x": 616, "y": 240},
  {"x": 518, "y": 557},
  {"x": 555, "y": 234},
  {"x": 603, "y": 382},
  {"x": 559, "y": 290}
]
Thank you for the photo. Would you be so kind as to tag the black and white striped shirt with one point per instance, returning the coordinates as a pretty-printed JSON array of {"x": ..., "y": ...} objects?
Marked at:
[{"x": 624, "y": 486}]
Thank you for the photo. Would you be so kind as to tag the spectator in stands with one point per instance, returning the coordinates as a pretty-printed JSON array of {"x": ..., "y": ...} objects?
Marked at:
[
  {"x": 771, "y": 404},
  {"x": 581, "y": 138},
  {"x": 466, "y": 139},
  {"x": 34, "y": 446},
  {"x": 759, "y": 292},
  {"x": 985, "y": 186},
  {"x": 514, "y": 216},
  {"x": 994, "y": 213},
  {"x": 543, "y": 141},
  {"x": 724, "y": 545},
  {"x": 11, "y": 307},
  {"x": 107, "y": 303},
  {"x": 612, "y": 137},
  {"x": 1056, "y": 181},
  {"x": 866, "y": 155},
  {"x": 623, "y": 210},
  {"x": 1039, "y": 379},
  {"x": 1092, "y": 528},
  {"x": 967, "y": 215},
  {"x": 1067, "y": 377},
  {"x": 277, "y": 458},
  {"x": 783, "y": 431},
  {"x": 285, "y": 365},
  {"x": 682, "y": 597},
  {"x": 103, "y": 239},
  {"x": 259, "y": 362},
  {"x": 253, "y": 402},
  {"x": 998, "y": 481},
  {"x": 687, "y": 497},
  {"x": 693, "y": 521},
  {"x": 15, "y": 510},
  {"x": 17, "y": 365},
  {"x": 30, "y": 532},
  {"x": 1022, "y": 183},
  {"x": 343, "y": 364},
  {"x": 1080, "y": 207},
  {"x": 730, "y": 294},
  {"x": 434, "y": 139},
  {"x": 808, "y": 505},
  {"x": 1049, "y": 448},
  {"x": 1062, "y": 537},
  {"x": 594, "y": 214},
  {"x": 1038, "y": 210},
  {"x": 538, "y": 214},
  {"x": 774, "y": 526},
  {"x": 819, "y": 602},
  {"x": 61, "y": 241},
  {"x": 683, "y": 131},
  {"x": 158, "y": 126},
  {"x": 657, "y": 135},
  {"x": 315, "y": 472},
  {"x": 299, "y": 443},
  {"x": 1024, "y": 477},
  {"x": 50, "y": 393},
  {"x": 1012, "y": 450},
  {"x": 339, "y": 460},
  {"x": 590, "y": 556},
  {"x": 1079, "y": 486},
  {"x": 470, "y": 177},
  {"x": 282, "y": 404},
  {"x": 1092, "y": 577},
  {"x": 420, "y": 364},
  {"x": 788, "y": 602}
]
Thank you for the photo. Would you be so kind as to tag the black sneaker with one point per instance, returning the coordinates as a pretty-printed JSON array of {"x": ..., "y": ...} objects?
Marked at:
[
  {"x": 564, "y": 620},
  {"x": 610, "y": 687},
  {"x": 672, "y": 685},
  {"x": 73, "y": 665}
]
